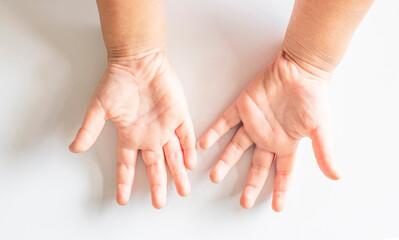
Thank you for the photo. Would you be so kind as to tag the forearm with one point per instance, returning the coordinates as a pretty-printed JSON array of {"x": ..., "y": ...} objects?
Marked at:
[
  {"x": 131, "y": 27},
  {"x": 320, "y": 30}
]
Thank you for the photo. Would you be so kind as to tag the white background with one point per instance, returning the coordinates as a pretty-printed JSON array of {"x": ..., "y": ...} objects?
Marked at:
[{"x": 51, "y": 57}]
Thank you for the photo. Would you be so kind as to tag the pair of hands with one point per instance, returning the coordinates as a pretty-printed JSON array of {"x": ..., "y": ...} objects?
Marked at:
[{"x": 145, "y": 100}]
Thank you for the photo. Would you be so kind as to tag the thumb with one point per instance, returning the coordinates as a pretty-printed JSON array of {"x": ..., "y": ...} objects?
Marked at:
[
  {"x": 91, "y": 128},
  {"x": 322, "y": 148}
]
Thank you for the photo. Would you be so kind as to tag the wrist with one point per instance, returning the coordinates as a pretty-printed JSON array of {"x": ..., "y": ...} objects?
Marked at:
[
  {"x": 134, "y": 51},
  {"x": 140, "y": 64},
  {"x": 299, "y": 72},
  {"x": 310, "y": 59}
]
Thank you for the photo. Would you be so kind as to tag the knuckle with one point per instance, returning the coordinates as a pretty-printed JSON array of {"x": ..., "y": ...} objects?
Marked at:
[
  {"x": 281, "y": 183},
  {"x": 173, "y": 155},
  {"x": 156, "y": 187},
  {"x": 254, "y": 187},
  {"x": 181, "y": 132},
  {"x": 178, "y": 175},
  {"x": 152, "y": 164},
  {"x": 226, "y": 121},
  {"x": 225, "y": 162},
  {"x": 279, "y": 192},
  {"x": 187, "y": 142},
  {"x": 86, "y": 132},
  {"x": 122, "y": 183},
  {"x": 283, "y": 173},
  {"x": 237, "y": 144},
  {"x": 258, "y": 167},
  {"x": 152, "y": 158},
  {"x": 125, "y": 166}
]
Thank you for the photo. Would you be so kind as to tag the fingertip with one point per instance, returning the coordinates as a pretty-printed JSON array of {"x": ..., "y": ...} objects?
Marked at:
[
  {"x": 71, "y": 147},
  {"x": 191, "y": 165},
  {"x": 190, "y": 159},
  {"x": 122, "y": 194},
  {"x": 121, "y": 202},
  {"x": 214, "y": 176},
  {"x": 278, "y": 202},
  {"x": 158, "y": 203},
  {"x": 246, "y": 202},
  {"x": 183, "y": 185},
  {"x": 75, "y": 148},
  {"x": 249, "y": 196},
  {"x": 329, "y": 169},
  {"x": 219, "y": 172},
  {"x": 277, "y": 208},
  {"x": 158, "y": 195},
  {"x": 203, "y": 144},
  {"x": 322, "y": 148},
  {"x": 335, "y": 176},
  {"x": 184, "y": 190},
  {"x": 83, "y": 141},
  {"x": 208, "y": 139}
]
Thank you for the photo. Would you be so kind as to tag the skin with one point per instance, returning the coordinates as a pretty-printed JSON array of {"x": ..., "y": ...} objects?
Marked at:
[
  {"x": 285, "y": 102},
  {"x": 288, "y": 100},
  {"x": 319, "y": 32},
  {"x": 141, "y": 93},
  {"x": 282, "y": 104}
]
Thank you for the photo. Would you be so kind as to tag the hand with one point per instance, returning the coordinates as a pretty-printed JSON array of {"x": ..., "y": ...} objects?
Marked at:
[
  {"x": 282, "y": 104},
  {"x": 145, "y": 100}
]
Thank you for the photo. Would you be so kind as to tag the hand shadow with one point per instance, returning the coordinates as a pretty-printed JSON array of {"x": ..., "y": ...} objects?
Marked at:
[
  {"x": 226, "y": 51},
  {"x": 63, "y": 88},
  {"x": 67, "y": 94}
]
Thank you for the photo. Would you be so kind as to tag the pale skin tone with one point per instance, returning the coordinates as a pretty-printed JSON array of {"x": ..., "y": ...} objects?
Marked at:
[
  {"x": 288, "y": 100},
  {"x": 140, "y": 92},
  {"x": 282, "y": 104}
]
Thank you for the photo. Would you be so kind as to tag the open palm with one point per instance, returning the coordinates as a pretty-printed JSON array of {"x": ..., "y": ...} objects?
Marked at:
[
  {"x": 282, "y": 104},
  {"x": 144, "y": 99}
]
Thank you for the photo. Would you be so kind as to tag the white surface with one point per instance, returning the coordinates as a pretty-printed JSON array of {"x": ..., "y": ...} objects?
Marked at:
[{"x": 52, "y": 55}]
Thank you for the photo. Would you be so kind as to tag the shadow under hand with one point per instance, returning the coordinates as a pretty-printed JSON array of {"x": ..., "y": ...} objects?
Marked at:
[
  {"x": 63, "y": 84},
  {"x": 226, "y": 50}
]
